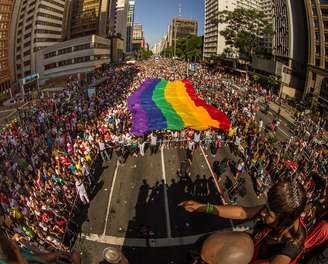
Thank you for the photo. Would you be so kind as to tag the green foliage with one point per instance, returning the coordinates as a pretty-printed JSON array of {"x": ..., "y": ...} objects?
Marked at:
[
  {"x": 256, "y": 78},
  {"x": 144, "y": 54},
  {"x": 245, "y": 30},
  {"x": 167, "y": 52},
  {"x": 3, "y": 98},
  {"x": 273, "y": 80},
  {"x": 190, "y": 48}
]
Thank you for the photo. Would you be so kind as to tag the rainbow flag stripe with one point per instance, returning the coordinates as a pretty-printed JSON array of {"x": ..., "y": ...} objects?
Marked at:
[{"x": 166, "y": 105}]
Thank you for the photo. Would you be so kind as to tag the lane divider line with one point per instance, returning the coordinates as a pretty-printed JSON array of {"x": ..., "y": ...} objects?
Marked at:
[
  {"x": 110, "y": 197},
  {"x": 167, "y": 212},
  {"x": 217, "y": 182}
]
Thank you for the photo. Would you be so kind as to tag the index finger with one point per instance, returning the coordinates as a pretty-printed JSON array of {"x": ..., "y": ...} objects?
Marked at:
[{"x": 183, "y": 203}]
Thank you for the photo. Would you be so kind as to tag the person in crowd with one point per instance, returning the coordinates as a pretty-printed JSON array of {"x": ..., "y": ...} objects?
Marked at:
[{"x": 279, "y": 235}]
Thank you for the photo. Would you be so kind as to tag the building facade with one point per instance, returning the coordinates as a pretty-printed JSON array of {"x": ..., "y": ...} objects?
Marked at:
[
  {"x": 129, "y": 29},
  {"x": 267, "y": 7},
  {"x": 121, "y": 21},
  {"x": 72, "y": 57},
  {"x": 317, "y": 67},
  {"x": 36, "y": 24},
  {"x": 6, "y": 9},
  {"x": 181, "y": 28},
  {"x": 214, "y": 43},
  {"x": 89, "y": 17},
  {"x": 138, "y": 41}
]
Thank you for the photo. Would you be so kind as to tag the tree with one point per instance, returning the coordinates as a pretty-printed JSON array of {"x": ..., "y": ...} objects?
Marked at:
[
  {"x": 190, "y": 48},
  {"x": 144, "y": 54},
  {"x": 167, "y": 52},
  {"x": 244, "y": 31}
]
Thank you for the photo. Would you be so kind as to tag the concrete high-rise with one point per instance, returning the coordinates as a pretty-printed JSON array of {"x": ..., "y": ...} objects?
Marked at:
[
  {"x": 181, "y": 28},
  {"x": 36, "y": 24},
  {"x": 214, "y": 43},
  {"x": 138, "y": 41},
  {"x": 121, "y": 22},
  {"x": 89, "y": 41},
  {"x": 6, "y": 9},
  {"x": 317, "y": 59},
  {"x": 88, "y": 17},
  {"x": 129, "y": 29}
]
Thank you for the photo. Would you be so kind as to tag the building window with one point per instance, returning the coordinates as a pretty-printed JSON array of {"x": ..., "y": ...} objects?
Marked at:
[
  {"x": 46, "y": 31},
  {"x": 50, "y": 54},
  {"x": 55, "y": 3},
  {"x": 65, "y": 62},
  {"x": 48, "y": 8},
  {"x": 317, "y": 36},
  {"x": 45, "y": 40},
  {"x": 82, "y": 47},
  {"x": 26, "y": 53},
  {"x": 50, "y": 66},
  {"x": 317, "y": 62},
  {"x": 40, "y": 14},
  {"x": 28, "y": 26},
  {"x": 35, "y": 49},
  {"x": 64, "y": 51},
  {"x": 82, "y": 59},
  {"x": 27, "y": 63},
  {"x": 45, "y": 23}
]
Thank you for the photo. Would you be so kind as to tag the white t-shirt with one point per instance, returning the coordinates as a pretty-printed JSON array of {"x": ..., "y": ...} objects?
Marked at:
[
  {"x": 101, "y": 146},
  {"x": 191, "y": 145},
  {"x": 197, "y": 137},
  {"x": 153, "y": 140}
]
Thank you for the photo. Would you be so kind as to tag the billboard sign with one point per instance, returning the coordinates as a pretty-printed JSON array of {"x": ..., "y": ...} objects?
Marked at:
[{"x": 30, "y": 78}]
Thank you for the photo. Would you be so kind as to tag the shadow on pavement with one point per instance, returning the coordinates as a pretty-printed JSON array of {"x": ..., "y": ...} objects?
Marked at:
[{"x": 149, "y": 213}]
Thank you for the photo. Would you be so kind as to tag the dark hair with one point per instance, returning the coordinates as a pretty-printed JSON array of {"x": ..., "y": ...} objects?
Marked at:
[{"x": 288, "y": 201}]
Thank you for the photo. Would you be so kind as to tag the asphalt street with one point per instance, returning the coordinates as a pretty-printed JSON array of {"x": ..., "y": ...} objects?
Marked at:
[{"x": 136, "y": 208}]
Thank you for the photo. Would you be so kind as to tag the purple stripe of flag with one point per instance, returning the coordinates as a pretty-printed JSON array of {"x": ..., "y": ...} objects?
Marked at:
[{"x": 139, "y": 115}]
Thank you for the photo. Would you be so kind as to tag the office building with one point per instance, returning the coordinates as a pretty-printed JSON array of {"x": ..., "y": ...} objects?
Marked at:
[
  {"x": 89, "y": 42},
  {"x": 129, "y": 29},
  {"x": 121, "y": 21},
  {"x": 6, "y": 9},
  {"x": 267, "y": 7},
  {"x": 138, "y": 41},
  {"x": 214, "y": 42},
  {"x": 35, "y": 26},
  {"x": 181, "y": 28},
  {"x": 249, "y": 4},
  {"x": 317, "y": 60},
  {"x": 73, "y": 57},
  {"x": 89, "y": 17}
]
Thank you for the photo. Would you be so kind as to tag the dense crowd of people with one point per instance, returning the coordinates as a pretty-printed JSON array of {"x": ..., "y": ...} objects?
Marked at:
[{"x": 47, "y": 155}]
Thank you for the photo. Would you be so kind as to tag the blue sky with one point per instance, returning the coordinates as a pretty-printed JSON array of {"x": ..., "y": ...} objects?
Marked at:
[{"x": 155, "y": 15}]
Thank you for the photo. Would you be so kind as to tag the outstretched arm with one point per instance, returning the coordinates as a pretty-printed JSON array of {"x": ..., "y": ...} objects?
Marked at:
[{"x": 225, "y": 211}]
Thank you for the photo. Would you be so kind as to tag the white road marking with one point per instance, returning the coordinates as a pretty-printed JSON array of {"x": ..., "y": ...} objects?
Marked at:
[
  {"x": 216, "y": 183},
  {"x": 110, "y": 197},
  {"x": 212, "y": 173},
  {"x": 168, "y": 222},
  {"x": 282, "y": 131},
  {"x": 141, "y": 242}
]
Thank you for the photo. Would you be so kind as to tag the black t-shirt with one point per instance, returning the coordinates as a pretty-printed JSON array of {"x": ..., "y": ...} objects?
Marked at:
[{"x": 286, "y": 248}]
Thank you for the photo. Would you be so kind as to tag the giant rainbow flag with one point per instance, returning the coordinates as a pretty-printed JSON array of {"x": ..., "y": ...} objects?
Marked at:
[{"x": 166, "y": 105}]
